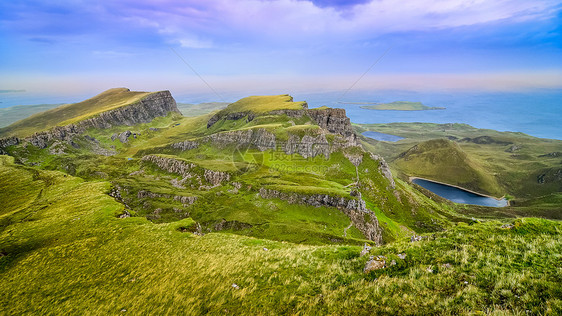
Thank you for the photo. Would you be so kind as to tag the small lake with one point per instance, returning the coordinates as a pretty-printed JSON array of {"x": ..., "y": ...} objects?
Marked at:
[
  {"x": 458, "y": 195},
  {"x": 382, "y": 136}
]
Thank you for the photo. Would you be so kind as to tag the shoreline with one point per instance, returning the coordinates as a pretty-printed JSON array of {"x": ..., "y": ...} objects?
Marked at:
[{"x": 410, "y": 179}]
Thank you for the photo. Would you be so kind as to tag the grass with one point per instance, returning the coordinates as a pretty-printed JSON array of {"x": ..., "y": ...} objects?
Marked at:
[
  {"x": 444, "y": 160},
  {"x": 514, "y": 160},
  {"x": 264, "y": 104},
  {"x": 72, "y": 113},
  {"x": 65, "y": 252}
]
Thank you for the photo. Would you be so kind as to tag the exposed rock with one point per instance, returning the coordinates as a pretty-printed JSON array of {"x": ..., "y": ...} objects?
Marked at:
[
  {"x": 234, "y": 225},
  {"x": 549, "y": 155},
  {"x": 188, "y": 171},
  {"x": 171, "y": 165},
  {"x": 125, "y": 214},
  {"x": 385, "y": 169},
  {"x": 143, "y": 111},
  {"x": 366, "y": 249},
  {"x": 6, "y": 142},
  {"x": 356, "y": 160},
  {"x": 363, "y": 219},
  {"x": 259, "y": 138},
  {"x": 375, "y": 263},
  {"x": 124, "y": 136},
  {"x": 333, "y": 120},
  {"x": 513, "y": 148},
  {"x": 185, "y": 145},
  {"x": 230, "y": 116},
  {"x": 57, "y": 148},
  {"x": 402, "y": 256},
  {"x": 308, "y": 146},
  {"x": 415, "y": 238},
  {"x": 216, "y": 177}
]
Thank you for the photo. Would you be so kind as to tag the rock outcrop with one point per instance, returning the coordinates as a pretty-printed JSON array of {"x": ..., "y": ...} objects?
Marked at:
[
  {"x": 333, "y": 120},
  {"x": 363, "y": 219},
  {"x": 184, "y": 200},
  {"x": 185, "y": 145},
  {"x": 385, "y": 169},
  {"x": 196, "y": 176},
  {"x": 143, "y": 111},
  {"x": 6, "y": 142},
  {"x": 308, "y": 146},
  {"x": 260, "y": 138}
]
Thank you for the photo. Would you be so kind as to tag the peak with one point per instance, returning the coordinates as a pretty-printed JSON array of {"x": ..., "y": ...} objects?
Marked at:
[{"x": 262, "y": 104}]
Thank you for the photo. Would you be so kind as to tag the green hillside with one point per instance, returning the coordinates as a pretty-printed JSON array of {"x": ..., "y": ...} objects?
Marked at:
[
  {"x": 64, "y": 251},
  {"x": 263, "y": 104},
  {"x": 71, "y": 113},
  {"x": 266, "y": 215},
  {"x": 444, "y": 160},
  {"x": 525, "y": 167}
]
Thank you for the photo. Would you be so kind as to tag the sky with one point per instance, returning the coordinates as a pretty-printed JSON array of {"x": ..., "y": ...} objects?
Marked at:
[{"x": 269, "y": 46}]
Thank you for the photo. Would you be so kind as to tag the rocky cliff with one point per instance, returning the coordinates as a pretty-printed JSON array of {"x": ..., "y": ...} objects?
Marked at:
[
  {"x": 143, "y": 111},
  {"x": 192, "y": 174},
  {"x": 362, "y": 218},
  {"x": 8, "y": 141},
  {"x": 333, "y": 120}
]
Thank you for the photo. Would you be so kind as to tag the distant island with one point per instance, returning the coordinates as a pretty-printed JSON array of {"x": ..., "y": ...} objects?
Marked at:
[{"x": 401, "y": 106}]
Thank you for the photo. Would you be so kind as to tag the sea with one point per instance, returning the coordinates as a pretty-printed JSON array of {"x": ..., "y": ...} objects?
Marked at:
[{"x": 537, "y": 113}]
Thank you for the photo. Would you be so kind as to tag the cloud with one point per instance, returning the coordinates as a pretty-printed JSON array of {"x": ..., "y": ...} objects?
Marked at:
[{"x": 291, "y": 18}]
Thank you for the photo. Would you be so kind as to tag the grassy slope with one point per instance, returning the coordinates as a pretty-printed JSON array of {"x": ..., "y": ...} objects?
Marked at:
[
  {"x": 63, "y": 251},
  {"x": 72, "y": 113},
  {"x": 445, "y": 160},
  {"x": 263, "y": 104},
  {"x": 516, "y": 170}
]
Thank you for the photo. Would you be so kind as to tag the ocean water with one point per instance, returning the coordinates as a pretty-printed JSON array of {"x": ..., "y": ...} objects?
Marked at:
[{"x": 536, "y": 113}]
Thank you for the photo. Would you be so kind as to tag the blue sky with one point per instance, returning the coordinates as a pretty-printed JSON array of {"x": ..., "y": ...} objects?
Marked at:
[{"x": 280, "y": 46}]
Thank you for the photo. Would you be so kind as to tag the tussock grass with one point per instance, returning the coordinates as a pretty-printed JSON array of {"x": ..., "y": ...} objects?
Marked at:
[{"x": 65, "y": 252}]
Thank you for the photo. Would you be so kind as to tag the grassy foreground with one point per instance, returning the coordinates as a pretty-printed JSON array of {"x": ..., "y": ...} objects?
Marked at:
[{"x": 64, "y": 251}]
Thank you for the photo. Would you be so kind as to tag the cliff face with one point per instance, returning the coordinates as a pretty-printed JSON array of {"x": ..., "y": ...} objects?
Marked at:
[
  {"x": 260, "y": 138},
  {"x": 9, "y": 141},
  {"x": 333, "y": 120},
  {"x": 152, "y": 106},
  {"x": 193, "y": 176},
  {"x": 362, "y": 218}
]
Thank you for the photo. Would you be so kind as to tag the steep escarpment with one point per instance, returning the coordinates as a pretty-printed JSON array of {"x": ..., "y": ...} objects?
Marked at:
[
  {"x": 142, "y": 111},
  {"x": 362, "y": 218}
]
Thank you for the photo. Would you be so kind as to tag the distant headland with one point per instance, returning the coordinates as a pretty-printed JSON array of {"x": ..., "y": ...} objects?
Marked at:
[{"x": 399, "y": 106}]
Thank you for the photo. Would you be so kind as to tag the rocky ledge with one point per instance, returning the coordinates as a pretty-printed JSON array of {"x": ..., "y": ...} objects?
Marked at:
[
  {"x": 362, "y": 218},
  {"x": 193, "y": 175},
  {"x": 143, "y": 111},
  {"x": 333, "y": 120}
]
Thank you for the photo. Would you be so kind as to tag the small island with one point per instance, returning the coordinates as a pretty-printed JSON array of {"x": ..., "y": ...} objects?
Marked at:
[{"x": 401, "y": 106}]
